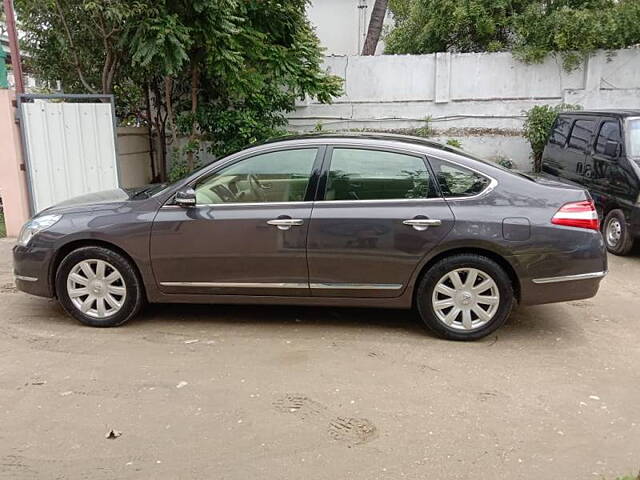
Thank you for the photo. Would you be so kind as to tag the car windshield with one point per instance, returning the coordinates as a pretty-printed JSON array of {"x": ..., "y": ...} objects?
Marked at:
[{"x": 633, "y": 137}]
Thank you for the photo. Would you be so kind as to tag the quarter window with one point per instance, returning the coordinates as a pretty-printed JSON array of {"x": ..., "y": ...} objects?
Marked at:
[
  {"x": 456, "y": 181},
  {"x": 609, "y": 132},
  {"x": 357, "y": 174},
  {"x": 270, "y": 177},
  {"x": 581, "y": 134}
]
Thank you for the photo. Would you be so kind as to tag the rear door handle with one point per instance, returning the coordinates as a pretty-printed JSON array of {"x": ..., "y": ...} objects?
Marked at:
[
  {"x": 421, "y": 224},
  {"x": 285, "y": 223}
]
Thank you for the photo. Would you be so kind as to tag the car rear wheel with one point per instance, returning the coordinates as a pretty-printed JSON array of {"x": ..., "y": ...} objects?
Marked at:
[
  {"x": 616, "y": 234},
  {"x": 99, "y": 287},
  {"x": 465, "y": 297}
]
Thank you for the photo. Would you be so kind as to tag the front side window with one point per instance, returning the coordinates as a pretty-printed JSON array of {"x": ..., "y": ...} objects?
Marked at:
[
  {"x": 609, "y": 132},
  {"x": 581, "y": 134},
  {"x": 458, "y": 182},
  {"x": 270, "y": 177},
  {"x": 358, "y": 174}
]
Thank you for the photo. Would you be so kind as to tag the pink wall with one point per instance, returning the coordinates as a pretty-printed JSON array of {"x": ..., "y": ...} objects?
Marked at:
[{"x": 13, "y": 184}]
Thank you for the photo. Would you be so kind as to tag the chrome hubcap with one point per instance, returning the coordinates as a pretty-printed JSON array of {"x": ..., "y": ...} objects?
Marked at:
[
  {"x": 614, "y": 232},
  {"x": 466, "y": 299},
  {"x": 96, "y": 288}
]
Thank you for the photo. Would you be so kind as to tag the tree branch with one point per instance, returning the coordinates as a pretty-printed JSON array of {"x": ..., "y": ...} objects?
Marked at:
[{"x": 72, "y": 47}]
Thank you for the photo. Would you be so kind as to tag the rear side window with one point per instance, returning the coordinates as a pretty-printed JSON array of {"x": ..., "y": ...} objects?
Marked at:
[
  {"x": 560, "y": 131},
  {"x": 458, "y": 182},
  {"x": 581, "y": 134},
  {"x": 358, "y": 174},
  {"x": 609, "y": 132}
]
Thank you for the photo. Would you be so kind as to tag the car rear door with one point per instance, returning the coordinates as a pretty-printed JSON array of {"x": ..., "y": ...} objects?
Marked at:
[
  {"x": 247, "y": 233},
  {"x": 378, "y": 213}
]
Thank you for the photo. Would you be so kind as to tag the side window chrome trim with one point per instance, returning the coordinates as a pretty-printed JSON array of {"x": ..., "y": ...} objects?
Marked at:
[
  {"x": 247, "y": 204},
  {"x": 319, "y": 203}
]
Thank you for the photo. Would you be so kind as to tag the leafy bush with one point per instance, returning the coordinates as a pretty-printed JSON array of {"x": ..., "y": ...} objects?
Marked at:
[
  {"x": 504, "y": 162},
  {"x": 531, "y": 29},
  {"x": 454, "y": 143},
  {"x": 537, "y": 127}
]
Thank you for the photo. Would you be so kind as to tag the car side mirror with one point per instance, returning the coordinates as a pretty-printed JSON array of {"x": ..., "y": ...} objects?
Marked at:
[
  {"x": 612, "y": 148},
  {"x": 186, "y": 198}
]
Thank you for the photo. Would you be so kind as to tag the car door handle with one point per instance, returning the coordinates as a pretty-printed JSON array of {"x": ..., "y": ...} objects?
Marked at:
[
  {"x": 421, "y": 224},
  {"x": 285, "y": 223}
]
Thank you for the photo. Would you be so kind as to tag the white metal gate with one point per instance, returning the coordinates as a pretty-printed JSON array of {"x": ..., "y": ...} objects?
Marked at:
[{"x": 70, "y": 146}]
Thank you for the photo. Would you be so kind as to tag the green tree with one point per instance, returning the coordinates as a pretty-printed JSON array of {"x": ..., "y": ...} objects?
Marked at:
[
  {"x": 223, "y": 71},
  {"x": 427, "y": 26}
]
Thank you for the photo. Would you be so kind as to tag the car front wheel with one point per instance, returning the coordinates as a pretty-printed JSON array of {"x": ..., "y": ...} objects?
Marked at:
[
  {"x": 99, "y": 287},
  {"x": 465, "y": 297}
]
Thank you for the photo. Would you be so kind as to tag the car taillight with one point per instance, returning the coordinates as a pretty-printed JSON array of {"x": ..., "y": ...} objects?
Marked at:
[{"x": 577, "y": 214}]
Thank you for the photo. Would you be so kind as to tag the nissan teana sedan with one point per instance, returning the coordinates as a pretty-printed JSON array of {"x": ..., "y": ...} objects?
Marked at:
[{"x": 363, "y": 220}]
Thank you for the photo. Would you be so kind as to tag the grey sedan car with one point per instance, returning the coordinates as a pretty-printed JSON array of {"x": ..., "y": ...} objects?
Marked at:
[{"x": 362, "y": 220}]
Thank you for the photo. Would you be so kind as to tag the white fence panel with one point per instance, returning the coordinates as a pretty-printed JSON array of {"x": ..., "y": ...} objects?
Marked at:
[{"x": 70, "y": 149}]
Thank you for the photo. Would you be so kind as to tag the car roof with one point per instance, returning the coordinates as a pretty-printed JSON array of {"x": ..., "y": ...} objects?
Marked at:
[
  {"x": 388, "y": 137},
  {"x": 611, "y": 113}
]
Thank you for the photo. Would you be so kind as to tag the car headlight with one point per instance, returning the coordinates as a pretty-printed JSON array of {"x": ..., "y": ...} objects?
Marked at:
[{"x": 36, "y": 225}]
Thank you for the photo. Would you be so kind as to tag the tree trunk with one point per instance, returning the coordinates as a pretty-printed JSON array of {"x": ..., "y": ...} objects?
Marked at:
[
  {"x": 375, "y": 27},
  {"x": 168, "y": 92},
  {"x": 159, "y": 125},
  {"x": 147, "y": 97},
  {"x": 195, "y": 85}
]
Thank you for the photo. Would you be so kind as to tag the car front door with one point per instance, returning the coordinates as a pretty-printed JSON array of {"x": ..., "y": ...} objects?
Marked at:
[
  {"x": 247, "y": 232},
  {"x": 378, "y": 214},
  {"x": 608, "y": 183}
]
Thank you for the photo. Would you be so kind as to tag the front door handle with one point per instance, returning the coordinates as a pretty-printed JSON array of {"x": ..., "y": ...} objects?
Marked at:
[
  {"x": 285, "y": 223},
  {"x": 421, "y": 224}
]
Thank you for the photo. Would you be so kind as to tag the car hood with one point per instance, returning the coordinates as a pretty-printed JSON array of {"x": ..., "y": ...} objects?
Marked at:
[{"x": 96, "y": 200}]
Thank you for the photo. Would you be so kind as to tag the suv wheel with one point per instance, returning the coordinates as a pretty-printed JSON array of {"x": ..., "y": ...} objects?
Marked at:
[
  {"x": 99, "y": 287},
  {"x": 616, "y": 234},
  {"x": 465, "y": 297}
]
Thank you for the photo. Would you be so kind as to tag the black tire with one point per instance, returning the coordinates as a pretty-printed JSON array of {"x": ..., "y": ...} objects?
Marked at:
[
  {"x": 486, "y": 267},
  {"x": 621, "y": 242},
  {"x": 134, "y": 298}
]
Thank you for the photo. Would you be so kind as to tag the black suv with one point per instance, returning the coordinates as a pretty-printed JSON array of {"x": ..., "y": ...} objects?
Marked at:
[{"x": 600, "y": 150}]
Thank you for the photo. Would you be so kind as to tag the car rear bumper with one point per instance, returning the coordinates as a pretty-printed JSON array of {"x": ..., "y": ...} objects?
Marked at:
[
  {"x": 562, "y": 276},
  {"x": 562, "y": 288},
  {"x": 31, "y": 270}
]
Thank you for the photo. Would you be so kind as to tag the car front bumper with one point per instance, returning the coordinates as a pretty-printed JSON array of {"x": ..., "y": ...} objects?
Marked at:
[{"x": 31, "y": 270}]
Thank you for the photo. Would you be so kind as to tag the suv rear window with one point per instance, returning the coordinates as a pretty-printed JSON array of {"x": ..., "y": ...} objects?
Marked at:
[
  {"x": 560, "y": 131},
  {"x": 581, "y": 134}
]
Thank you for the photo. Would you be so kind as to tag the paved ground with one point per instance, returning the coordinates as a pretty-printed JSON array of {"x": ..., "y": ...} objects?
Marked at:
[{"x": 241, "y": 393}]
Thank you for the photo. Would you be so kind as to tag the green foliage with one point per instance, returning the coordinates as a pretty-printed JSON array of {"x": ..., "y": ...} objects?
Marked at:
[
  {"x": 532, "y": 29},
  {"x": 3, "y": 229},
  {"x": 179, "y": 165},
  {"x": 426, "y": 130},
  {"x": 505, "y": 162},
  {"x": 575, "y": 29},
  {"x": 426, "y": 26},
  {"x": 537, "y": 127},
  {"x": 455, "y": 143}
]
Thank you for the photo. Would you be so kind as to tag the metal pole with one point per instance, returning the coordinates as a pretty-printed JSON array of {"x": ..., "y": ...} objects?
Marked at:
[{"x": 14, "y": 48}]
